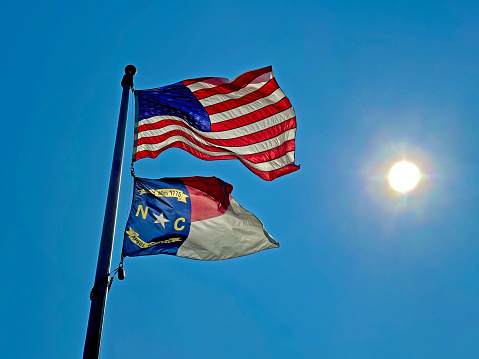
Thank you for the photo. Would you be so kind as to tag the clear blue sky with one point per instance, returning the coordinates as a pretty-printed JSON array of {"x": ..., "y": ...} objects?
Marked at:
[{"x": 361, "y": 273}]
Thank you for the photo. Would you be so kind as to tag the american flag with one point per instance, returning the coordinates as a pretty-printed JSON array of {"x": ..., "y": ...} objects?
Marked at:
[{"x": 248, "y": 118}]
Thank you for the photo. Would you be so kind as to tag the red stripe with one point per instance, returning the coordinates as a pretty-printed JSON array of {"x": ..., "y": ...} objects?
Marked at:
[
  {"x": 266, "y": 175},
  {"x": 192, "y": 81},
  {"x": 238, "y": 83},
  {"x": 271, "y": 154},
  {"x": 264, "y": 91},
  {"x": 271, "y": 175},
  {"x": 252, "y": 117},
  {"x": 245, "y": 140}
]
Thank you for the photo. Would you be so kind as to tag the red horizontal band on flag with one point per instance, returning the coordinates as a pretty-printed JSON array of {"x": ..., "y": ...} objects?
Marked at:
[
  {"x": 252, "y": 117},
  {"x": 205, "y": 204},
  {"x": 271, "y": 175},
  {"x": 245, "y": 140},
  {"x": 192, "y": 81},
  {"x": 262, "y": 92},
  {"x": 235, "y": 85},
  {"x": 266, "y": 175},
  {"x": 271, "y": 154}
]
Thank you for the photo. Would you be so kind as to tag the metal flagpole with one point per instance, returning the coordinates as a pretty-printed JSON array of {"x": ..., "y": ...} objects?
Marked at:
[{"x": 100, "y": 290}]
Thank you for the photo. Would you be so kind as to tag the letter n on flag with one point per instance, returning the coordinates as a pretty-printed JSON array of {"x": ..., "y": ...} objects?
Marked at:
[{"x": 248, "y": 118}]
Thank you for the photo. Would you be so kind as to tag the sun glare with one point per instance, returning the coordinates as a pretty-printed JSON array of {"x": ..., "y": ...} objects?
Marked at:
[{"x": 404, "y": 176}]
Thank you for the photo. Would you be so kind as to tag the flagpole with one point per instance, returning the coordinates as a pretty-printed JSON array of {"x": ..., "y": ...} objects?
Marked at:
[{"x": 99, "y": 292}]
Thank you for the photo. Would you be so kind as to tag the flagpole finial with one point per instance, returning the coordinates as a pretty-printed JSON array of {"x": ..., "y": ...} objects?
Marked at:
[
  {"x": 127, "y": 80},
  {"x": 130, "y": 69}
]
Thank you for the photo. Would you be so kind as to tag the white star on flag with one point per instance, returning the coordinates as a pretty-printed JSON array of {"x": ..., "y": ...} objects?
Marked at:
[{"x": 161, "y": 219}]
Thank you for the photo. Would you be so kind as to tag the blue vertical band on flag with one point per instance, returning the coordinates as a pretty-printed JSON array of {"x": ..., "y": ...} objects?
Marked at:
[
  {"x": 161, "y": 213},
  {"x": 191, "y": 217}
]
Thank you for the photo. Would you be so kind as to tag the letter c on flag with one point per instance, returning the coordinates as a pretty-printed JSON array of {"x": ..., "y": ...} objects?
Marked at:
[{"x": 176, "y": 224}]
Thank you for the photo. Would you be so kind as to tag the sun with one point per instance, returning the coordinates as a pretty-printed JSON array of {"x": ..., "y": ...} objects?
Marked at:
[{"x": 404, "y": 176}]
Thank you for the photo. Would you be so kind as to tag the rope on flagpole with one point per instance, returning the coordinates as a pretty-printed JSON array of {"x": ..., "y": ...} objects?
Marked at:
[
  {"x": 105, "y": 280},
  {"x": 133, "y": 115}
]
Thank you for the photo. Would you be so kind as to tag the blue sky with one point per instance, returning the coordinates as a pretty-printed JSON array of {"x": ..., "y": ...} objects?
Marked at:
[{"x": 362, "y": 272}]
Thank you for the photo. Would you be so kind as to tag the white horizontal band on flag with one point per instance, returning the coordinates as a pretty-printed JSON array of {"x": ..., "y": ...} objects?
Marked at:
[
  {"x": 267, "y": 166},
  {"x": 254, "y": 85},
  {"x": 236, "y": 233},
  {"x": 254, "y": 127},
  {"x": 206, "y": 84},
  {"x": 275, "y": 97},
  {"x": 251, "y": 149}
]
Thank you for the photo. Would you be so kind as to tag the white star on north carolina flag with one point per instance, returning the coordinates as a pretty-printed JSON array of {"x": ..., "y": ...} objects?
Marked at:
[{"x": 161, "y": 219}]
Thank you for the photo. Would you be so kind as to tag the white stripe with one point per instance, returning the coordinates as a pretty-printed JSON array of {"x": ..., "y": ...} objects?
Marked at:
[
  {"x": 263, "y": 166},
  {"x": 276, "y": 96},
  {"x": 254, "y": 85},
  {"x": 251, "y": 149},
  {"x": 220, "y": 135},
  {"x": 209, "y": 83},
  {"x": 235, "y": 233}
]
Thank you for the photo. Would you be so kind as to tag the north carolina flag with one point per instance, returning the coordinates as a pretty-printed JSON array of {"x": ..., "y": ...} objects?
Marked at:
[
  {"x": 191, "y": 217},
  {"x": 248, "y": 118}
]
